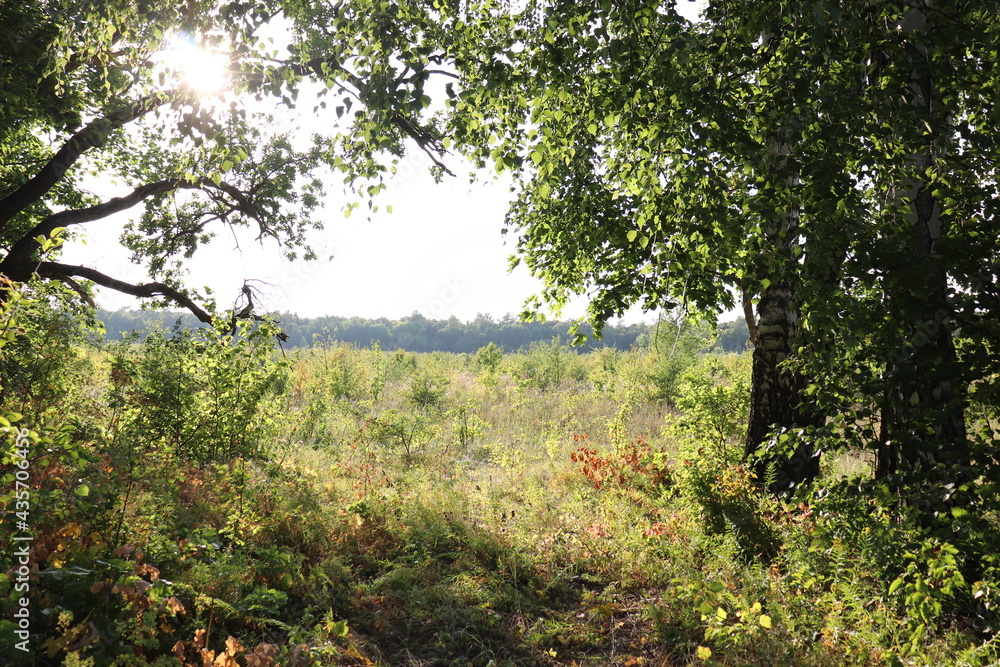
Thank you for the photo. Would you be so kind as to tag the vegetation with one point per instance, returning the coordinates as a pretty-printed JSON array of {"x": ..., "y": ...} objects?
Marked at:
[
  {"x": 185, "y": 107},
  {"x": 199, "y": 498},
  {"x": 419, "y": 334},
  {"x": 823, "y": 163}
]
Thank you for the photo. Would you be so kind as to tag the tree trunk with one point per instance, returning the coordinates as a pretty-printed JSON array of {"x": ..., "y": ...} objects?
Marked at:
[
  {"x": 776, "y": 394},
  {"x": 923, "y": 412}
]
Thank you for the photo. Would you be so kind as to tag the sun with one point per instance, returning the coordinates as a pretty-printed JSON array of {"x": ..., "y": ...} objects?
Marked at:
[{"x": 202, "y": 70}]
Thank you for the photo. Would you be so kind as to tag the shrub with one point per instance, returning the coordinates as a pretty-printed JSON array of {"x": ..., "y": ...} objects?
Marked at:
[{"x": 203, "y": 395}]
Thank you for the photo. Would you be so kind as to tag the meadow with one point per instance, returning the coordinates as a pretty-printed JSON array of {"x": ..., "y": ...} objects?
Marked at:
[{"x": 203, "y": 499}]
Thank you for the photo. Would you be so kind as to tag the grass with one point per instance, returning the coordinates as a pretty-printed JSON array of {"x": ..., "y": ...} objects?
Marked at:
[{"x": 400, "y": 509}]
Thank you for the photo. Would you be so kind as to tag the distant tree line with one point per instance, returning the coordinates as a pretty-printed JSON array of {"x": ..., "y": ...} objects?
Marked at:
[
  {"x": 417, "y": 333},
  {"x": 732, "y": 337}
]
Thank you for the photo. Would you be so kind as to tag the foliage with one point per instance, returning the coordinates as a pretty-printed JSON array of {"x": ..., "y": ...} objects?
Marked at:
[
  {"x": 489, "y": 357},
  {"x": 503, "y": 523},
  {"x": 677, "y": 342},
  {"x": 48, "y": 356},
  {"x": 426, "y": 389},
  {"x": 414, "y": 333},
  {"x": 712, "y": 397},
  {"x": 546, "y": 366},
  {"x": 825, "y": 163},
  {"x": 657, "y": 160},
  {"x": 112, "y": 92},
  {"x": 223, "y": 383},
  {"x": 631, "y": 466}
]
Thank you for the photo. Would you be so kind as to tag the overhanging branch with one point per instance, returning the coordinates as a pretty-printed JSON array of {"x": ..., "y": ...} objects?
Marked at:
[
  {"x": 18, "y": 263},
  {"x": 66, "y": 273},
  {"x": 59, "y": 271},
  {"x": 92, "y": 136}
]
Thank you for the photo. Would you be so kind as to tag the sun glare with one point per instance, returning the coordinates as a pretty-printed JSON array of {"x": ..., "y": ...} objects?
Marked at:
[{"x": 202, "y": 70}]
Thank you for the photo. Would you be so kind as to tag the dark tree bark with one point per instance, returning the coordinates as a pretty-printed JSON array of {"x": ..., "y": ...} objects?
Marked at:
[
  {"x": 19, "y": 263},
  {"x": 93, "y": 135},
  {"x": 923, "y": 413},
  {"x": 776, "y": 393}
]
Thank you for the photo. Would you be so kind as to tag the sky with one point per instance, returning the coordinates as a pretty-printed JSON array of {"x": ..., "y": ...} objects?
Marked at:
[{"x": 439, "y": 253}]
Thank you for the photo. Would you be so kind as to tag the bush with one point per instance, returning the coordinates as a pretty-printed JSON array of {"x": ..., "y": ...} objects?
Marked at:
[
  {"x": 43, "y": 360},
  {"x": 202, "y": 395},
  {"x": 677, "y": 344}
]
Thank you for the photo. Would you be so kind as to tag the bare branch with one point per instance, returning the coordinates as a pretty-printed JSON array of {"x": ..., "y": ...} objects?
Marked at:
[
  {"x": 78, "y": 288},
  {"x": 66, "y": 273},
  {"x": 60, "y": 271}
]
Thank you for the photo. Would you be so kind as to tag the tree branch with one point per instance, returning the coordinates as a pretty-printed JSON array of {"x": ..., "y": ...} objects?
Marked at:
[
  {"x": 78, "y": 288},
  {"x": 66, "y": 273},
  {"x": 17, "y": 264},
  {"x": 60, "y": 271},
  {"x": 94, "y": 135},
  {"x": 427, "y": 143},
  {"x": 748, "y": 315}
]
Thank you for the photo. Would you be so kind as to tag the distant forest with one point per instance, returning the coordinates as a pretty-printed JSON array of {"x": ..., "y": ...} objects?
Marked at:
[{"x": 416, "y": 333}]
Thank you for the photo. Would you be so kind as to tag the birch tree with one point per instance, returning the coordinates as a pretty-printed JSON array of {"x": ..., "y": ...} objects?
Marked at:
[{"x": 828, "y": 163}]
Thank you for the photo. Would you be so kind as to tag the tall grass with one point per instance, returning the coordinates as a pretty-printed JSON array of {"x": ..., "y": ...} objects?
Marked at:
[{"x": 543, "y": 508}]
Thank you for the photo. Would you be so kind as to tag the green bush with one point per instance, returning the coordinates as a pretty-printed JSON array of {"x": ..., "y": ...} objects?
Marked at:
[
  {"x": 43, "y": 361},
  {"x": 202, "y": 395},
  {"x": 546, "y": 366}
]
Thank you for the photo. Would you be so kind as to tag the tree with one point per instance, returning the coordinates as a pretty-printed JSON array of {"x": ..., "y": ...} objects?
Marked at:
[
  {"x": 91, "y": 92},
  {"x": 630, "y": 121},
  {"x": 910, "y": 312},
  {"x": 829, "y": 163}
]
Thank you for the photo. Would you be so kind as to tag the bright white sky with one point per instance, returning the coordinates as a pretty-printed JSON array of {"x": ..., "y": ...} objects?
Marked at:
[{"x": 440, "y": 253}]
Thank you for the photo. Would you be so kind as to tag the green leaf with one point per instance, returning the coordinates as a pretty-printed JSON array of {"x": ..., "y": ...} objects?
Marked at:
[
  {"x": 632, "y": 234},
  {"x": 715, "y": 586},
  {"x": 894, "y": 586},
  {"x": 339, "y": 629},
  {"x": 765, "y": 621},
  {"x": 83, "y": 490}
]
